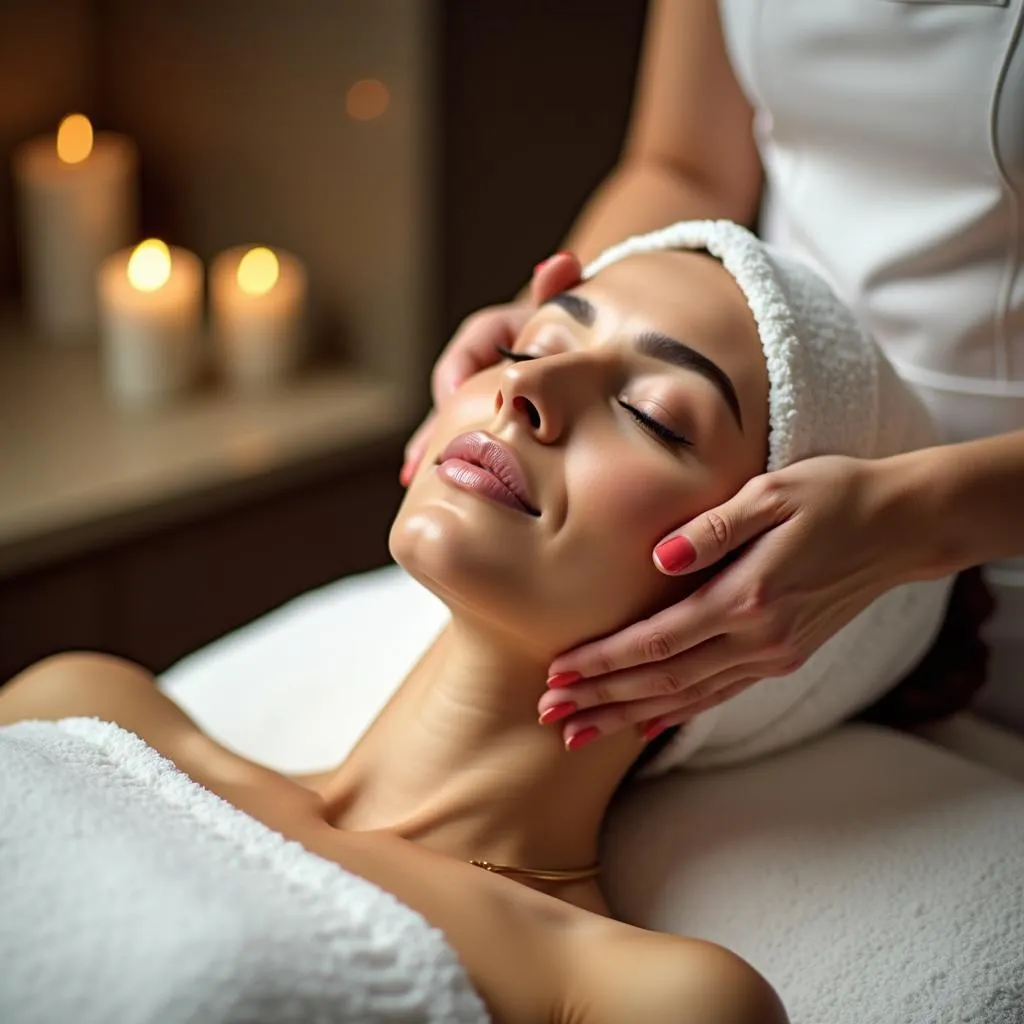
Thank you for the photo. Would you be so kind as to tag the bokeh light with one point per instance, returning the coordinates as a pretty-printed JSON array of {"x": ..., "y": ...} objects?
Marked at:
[{"x": 367, "y": 99}]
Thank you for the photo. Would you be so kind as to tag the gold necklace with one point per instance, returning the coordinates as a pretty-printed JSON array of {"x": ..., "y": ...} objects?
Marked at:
[{"x": 540, "y": 873}]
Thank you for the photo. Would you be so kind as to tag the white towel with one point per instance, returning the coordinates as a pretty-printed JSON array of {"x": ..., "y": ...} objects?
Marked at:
[
  {"x": 831, "y": 391},
  {"x": 130, "y": 894}
]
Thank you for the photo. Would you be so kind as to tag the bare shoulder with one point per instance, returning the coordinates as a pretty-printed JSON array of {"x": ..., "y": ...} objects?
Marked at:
[
  {"x": 94, "y": 685},
  {"x": 80, "y": 683},
  {"x": 633, "y": 974}
]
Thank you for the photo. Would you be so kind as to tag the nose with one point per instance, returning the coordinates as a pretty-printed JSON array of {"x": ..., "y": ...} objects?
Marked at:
[{"x": 544, "y": 395}]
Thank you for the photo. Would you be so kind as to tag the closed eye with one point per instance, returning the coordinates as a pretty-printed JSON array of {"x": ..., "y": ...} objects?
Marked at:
[
  {"x": 648, "y": 423},
  {"x": 654, "y": 427}
]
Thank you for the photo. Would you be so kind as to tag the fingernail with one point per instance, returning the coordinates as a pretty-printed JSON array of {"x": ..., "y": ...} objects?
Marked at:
[
  {"x": 581, "y": 738},
  {"x": 536, "y": 269},
  {"x": 676, "y": 554},
  {"x": 563, "y": 679},
  {"x": 406, "y": 475},
  {"x": 557, "y": 711},
  {"x": 654, "y": 729},
  {"x": 566, "y": 252}
]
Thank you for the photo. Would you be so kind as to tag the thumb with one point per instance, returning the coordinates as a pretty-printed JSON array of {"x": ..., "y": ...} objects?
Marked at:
[
  {"x": 554, "y": 275},
  {"x": 713, "y": 534}
]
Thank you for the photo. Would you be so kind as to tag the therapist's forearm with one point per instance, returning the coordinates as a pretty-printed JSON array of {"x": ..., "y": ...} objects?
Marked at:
[
  {"x": 970, "y": 497},
  {"x": 637, "y": 197},
  {"x": 640, "y": 196}
]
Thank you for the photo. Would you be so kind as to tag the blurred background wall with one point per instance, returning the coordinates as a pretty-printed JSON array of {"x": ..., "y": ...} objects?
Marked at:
[{"x": 502, "y": 116}]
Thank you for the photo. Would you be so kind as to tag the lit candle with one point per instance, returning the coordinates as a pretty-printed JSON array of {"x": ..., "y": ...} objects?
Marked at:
[
  {"x": 76, "y": 202},
  {"x": 258, "y": 309},
  {"x": 150, "y": 300}
]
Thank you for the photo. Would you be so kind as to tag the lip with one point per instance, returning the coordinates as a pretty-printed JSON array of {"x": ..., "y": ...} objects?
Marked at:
[{"x": 505, "y": 481}]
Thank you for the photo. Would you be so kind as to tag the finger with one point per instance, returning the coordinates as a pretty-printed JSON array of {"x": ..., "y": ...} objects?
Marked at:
[
  {"x": 713, "y": 534},
  {"x": 469, "y": 352},
  {"x": 554, "y": 275},
  {"x": 416, "y": 447},
  {"x": 679, "y": 679},
  {"x": 472, "y": 347},
  {"x": 680, "y": 716},
  {"x": 691, "y": 621},
  {"x": 640, "y": 715}
]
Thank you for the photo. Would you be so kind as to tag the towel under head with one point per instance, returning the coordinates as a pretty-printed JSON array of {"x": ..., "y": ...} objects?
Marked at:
[{"x": 830, "y": 388}]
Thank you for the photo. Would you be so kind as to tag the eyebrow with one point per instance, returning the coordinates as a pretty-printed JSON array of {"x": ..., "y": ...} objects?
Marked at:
[{"x": 659, "y": 346}]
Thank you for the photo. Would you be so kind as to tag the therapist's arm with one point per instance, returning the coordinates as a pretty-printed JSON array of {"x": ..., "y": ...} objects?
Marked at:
[
  {"x": 970, "y": 497},
  {"x": 689, "y": 151}
]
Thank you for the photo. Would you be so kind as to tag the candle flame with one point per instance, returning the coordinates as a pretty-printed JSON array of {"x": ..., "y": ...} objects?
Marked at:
[
  {"x": 149, "y": 265},
  {"x": 74, "y": 138},
  {"x": 258, "y": 271}
]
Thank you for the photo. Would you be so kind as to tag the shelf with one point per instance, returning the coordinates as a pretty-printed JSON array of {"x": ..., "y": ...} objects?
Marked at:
[{"x": 76, "y": 472}]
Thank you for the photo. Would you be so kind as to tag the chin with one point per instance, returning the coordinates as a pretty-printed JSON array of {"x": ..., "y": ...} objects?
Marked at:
[{"x": 450, "y": 555}]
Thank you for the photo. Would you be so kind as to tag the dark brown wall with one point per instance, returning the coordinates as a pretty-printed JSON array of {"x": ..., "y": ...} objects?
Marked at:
[{"x": 536, "y": 95}]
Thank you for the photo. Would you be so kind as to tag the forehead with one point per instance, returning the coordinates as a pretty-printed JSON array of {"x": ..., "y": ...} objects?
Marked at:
[{"x": 689, "y": 296}]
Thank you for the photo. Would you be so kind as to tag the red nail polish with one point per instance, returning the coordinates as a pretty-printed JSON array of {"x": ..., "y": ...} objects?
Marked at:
[
  {"x": 536, "y": 269},
  {"x": 654, "y": 729},
  {"x": 566, "y": 252},
  {"x": 563, "y": 679},
  {"x": 557, "y": 711},
  {"x": 675, "y": 554},
  {"x": 405, "y": 475},
  {"x": 581, "y": 738}
]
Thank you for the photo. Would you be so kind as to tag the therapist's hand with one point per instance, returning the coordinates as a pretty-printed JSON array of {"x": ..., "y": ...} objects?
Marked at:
[
  {"x": 825, "y": 537},
  {"x": 473, "y": 346}
]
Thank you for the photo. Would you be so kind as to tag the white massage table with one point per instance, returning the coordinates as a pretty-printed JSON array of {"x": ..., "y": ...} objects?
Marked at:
[{"x": 874, "y": 877}]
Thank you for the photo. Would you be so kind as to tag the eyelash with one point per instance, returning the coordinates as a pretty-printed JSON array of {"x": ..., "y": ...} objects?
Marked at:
[{"x": 648, "y": 423}]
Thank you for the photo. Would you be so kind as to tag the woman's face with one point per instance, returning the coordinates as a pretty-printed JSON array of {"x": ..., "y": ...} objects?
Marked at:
[{"x": 633, "y": 402}]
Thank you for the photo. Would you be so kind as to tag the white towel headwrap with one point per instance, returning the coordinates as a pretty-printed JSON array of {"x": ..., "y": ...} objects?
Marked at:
[{"x": 831, "y": 391}]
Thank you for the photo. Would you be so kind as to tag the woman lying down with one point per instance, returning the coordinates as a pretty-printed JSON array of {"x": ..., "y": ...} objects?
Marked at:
[{"x": 682, "y": 365}]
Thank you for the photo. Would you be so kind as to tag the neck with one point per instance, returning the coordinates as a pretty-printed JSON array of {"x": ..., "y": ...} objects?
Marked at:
[{"x": 458, "y": 762}]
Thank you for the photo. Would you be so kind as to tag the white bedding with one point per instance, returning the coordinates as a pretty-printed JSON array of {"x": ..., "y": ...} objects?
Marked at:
[{"x": 873, "y": 877}]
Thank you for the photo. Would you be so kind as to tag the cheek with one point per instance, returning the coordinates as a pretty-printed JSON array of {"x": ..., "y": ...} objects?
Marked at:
[
  {"x": 618, "y": 509},
  {"x": 633, "y": 500}
]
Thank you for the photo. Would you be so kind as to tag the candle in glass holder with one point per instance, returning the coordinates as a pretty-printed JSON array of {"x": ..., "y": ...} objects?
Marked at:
[
  {"x": 76, "y": 204},
  {"x": 150, "y": 304},
  {"x": 258, "y": 310}
]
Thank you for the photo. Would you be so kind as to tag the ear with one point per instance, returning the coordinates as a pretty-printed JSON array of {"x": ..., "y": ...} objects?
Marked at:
[{"x": 554, "y": 275}]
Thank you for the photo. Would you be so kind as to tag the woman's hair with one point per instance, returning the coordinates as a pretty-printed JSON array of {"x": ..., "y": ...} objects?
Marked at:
[{"x": 947, "y": 678}]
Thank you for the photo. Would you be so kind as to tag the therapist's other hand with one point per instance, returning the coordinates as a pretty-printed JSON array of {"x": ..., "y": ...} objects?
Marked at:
[
  {"x": 473, "y": 347},
  {"x": 825, "y": 537}
]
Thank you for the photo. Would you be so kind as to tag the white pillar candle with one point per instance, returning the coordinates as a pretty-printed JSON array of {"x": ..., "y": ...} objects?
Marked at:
[
  {"x": 76, "y": 204},
  {"x": 150, "y": 300},
  {"x": 258, "y": 311}
]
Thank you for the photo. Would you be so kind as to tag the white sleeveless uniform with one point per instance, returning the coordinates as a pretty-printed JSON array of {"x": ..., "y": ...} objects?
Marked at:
[{"x": 892, "y": 136}]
